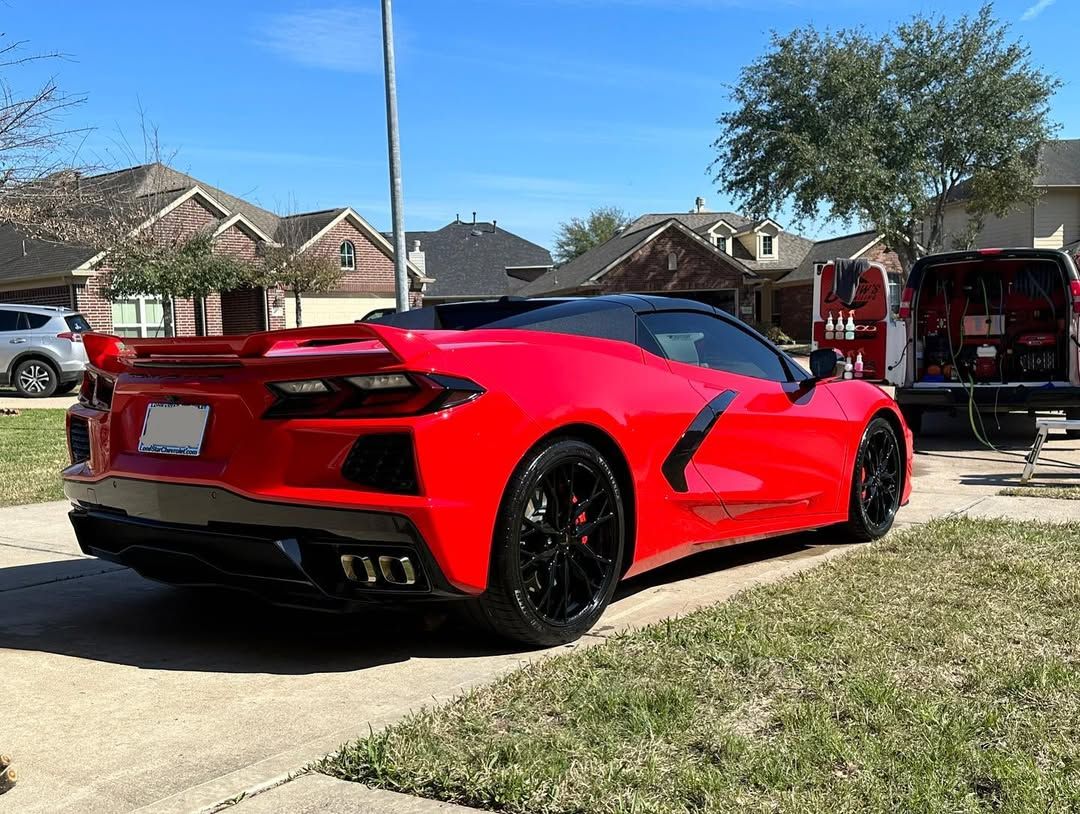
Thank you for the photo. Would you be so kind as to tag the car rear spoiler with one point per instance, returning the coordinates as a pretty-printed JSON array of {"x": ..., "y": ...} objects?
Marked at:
[{"x": 113, "y": 353}]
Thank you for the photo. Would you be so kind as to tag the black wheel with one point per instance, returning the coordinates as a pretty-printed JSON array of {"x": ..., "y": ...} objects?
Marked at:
[
  {"x": 65, "y": 388},
  {"x": 876, "y": 483},
  {"x": 558, "y": 546},
  {"x": 913, "y": 418},
  {"x": 35, "y": 379}
]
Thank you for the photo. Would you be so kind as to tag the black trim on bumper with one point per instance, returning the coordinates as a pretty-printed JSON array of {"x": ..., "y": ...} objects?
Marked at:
[
  {"x": 1005, "y": 399},
  {"x": 674, "y": 466},
  {"x": 288, "y": 554}
]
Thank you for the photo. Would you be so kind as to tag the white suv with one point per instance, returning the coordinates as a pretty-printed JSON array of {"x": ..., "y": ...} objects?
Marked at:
[{"x": 41, "y": 349}]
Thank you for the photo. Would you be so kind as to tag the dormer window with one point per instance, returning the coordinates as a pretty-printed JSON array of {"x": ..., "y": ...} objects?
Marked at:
[
  {"x": 767, "y": 246},
  {"x": 721, "y": 243}
]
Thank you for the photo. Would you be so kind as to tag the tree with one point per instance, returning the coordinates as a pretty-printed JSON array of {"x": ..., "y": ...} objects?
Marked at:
[
  {"x": 576, "y": 236},
  {"x": 37, "y": 184},
  {"x": 306, "y": 272},
  {"x": 169, "y": 264},
  {"x": 886, "y": 130}
]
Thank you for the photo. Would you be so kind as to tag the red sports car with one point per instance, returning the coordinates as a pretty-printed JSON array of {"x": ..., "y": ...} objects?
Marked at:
[{"x": 522, "y": 455}]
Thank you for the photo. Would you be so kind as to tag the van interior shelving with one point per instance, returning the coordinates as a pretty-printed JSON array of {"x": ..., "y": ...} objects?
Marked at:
[{"x": 992, "y": 323}]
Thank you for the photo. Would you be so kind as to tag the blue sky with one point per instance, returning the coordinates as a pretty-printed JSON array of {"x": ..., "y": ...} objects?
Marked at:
[{"x": 526, "y": 111}]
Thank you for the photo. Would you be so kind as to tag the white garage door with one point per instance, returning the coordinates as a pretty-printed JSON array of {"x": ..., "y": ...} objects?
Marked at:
[{"x": 332, "y": 309}]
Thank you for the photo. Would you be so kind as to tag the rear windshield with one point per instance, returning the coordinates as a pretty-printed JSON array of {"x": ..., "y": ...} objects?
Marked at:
[{"x": 77, "y": 323}]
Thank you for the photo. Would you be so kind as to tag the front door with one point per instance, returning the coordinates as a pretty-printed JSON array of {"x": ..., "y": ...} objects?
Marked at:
[{"x": 775, "y": 451}]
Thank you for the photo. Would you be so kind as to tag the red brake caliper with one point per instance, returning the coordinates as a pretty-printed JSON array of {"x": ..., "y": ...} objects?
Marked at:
[{"x": 580, "y": 521}]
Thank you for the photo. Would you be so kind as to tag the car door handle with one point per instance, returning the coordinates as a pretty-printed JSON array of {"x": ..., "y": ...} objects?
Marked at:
[{"x": 17, "y": 341}]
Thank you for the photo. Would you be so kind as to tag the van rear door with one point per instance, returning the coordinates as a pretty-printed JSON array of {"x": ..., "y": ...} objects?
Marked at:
[{"x": 878, "y": 335}]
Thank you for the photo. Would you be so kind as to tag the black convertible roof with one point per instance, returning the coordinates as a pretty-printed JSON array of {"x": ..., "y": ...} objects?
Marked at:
[{"x": 482, "y": 313}]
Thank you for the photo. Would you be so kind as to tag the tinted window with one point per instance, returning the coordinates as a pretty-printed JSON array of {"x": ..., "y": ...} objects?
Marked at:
[
  {"x": 707, "y": 341},
  {"x": 35, "y": 321},
  {"x": 78, "y": 323},
  {"x": 7, "y": 320}
]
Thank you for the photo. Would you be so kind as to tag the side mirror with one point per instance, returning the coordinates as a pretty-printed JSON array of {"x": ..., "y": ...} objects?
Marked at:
[{"x": 823, "y": 363}]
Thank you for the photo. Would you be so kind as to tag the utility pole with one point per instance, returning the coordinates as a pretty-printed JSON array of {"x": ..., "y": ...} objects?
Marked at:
[{"x": 397, "y": 214}]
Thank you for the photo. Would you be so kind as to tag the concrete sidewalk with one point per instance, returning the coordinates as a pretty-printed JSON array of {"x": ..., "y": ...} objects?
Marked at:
[{"x": 124, "y": 695}]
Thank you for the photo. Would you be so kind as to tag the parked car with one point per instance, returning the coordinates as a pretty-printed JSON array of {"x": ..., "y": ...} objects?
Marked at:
[
  {"x": 377, "y": 314},
  {"x": 985, "y": 331},
  {"x": 521, "y": 455},
  {"x": 41, "y": 349}
]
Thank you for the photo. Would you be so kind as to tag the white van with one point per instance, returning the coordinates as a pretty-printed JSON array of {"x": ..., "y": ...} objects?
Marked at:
[{"x": 992, "y": 330}]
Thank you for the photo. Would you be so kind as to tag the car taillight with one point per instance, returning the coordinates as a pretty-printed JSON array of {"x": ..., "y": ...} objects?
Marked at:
[
  {"x": 377, "y": 395},
  {"x": 1074, "y": 290},
  {"x": 905, "y": 302},
  {"x": 70, "y": 336}
]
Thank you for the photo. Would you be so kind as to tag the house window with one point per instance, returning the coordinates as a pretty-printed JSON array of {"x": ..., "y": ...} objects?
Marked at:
[
  {"x": 672, "y": 261},
  {"x": 348, "y": 255},
  {"x": 138, "y": 317},
  {"x": 766, "y": 245},
  {"x": 721, "y": 243}
]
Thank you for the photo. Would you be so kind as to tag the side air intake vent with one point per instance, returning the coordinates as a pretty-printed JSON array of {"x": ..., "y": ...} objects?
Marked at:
[
  {"x": 383, "y": 462},
  {"x": 79, "y": 440}
]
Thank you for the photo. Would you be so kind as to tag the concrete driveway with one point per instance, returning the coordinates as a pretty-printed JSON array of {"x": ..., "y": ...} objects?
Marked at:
[{"x": 122, "y": 695}]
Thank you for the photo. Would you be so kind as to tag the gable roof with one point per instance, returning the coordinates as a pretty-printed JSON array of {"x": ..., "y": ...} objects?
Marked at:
[
  {"x": 470, "y": 260},
  {"x": 155, "y": 189},
  {"x": 791, "y": 248},
  {"x": 825, "y": 251},
  {"x": 598, "y": 260}
]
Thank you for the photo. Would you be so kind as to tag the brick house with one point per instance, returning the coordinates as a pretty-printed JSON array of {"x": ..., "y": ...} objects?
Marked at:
[
  {"x": 793, "y": 294},
  {"x": 49, "y": 273},
  {"x": 751, "y": 268},
  {"x": 721, "y": 258}
]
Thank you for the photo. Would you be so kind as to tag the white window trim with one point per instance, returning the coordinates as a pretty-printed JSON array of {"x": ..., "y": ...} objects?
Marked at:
[
  {"x": 352, "y": 255},
  {"x": 141, "y": 324},
  {"x": 761, "y": 246}
]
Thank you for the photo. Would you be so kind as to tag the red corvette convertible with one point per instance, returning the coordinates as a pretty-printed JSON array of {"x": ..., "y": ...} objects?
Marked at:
[{"x": 522, "y": 455}]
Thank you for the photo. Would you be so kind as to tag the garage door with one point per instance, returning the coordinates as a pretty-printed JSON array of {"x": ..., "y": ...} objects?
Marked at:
[{"x": 333, "y": 309}]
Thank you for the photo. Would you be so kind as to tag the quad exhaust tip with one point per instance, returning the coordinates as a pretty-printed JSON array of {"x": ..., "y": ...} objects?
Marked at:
[{"x": 397, "y": 571}]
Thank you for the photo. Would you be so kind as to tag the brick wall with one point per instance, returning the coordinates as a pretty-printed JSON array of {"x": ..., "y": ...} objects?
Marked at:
[
  {"x": 647, "y": 269},
  {"x": 374, "y": 272},
  {"x": 94, "y": 305},
  {"x": 792, "y": 307},
  {"x": 58, "y": 295}
]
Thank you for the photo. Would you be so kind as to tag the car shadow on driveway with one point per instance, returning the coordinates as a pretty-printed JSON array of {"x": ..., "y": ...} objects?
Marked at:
[{"x": 77, "y": 608}]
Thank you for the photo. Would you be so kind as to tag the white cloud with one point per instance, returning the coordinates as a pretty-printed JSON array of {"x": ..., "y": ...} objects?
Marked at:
[
  {"x": 1034, "y": 11},
  {"x": 337, "y": 39}
]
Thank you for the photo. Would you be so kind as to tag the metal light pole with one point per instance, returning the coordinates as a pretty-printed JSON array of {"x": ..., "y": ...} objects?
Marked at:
[{"x": 397, "y": 214}]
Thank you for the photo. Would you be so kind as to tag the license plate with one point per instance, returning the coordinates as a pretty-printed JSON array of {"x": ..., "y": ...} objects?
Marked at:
[{"x": 174, "y": 429}]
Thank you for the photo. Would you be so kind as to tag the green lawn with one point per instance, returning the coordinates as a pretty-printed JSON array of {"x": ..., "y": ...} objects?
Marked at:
[
  {"x": 33, "y": 450},
  {"x": 937, "y": 671},
  {"x": 1057, "y": 492}
]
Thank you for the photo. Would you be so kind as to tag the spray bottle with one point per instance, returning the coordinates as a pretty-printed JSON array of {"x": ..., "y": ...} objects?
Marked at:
[
  {"x": 848, "y": 367},
  {"x": 858, "y": 365},
  {"x": 849, "y": 330},
  {"x": 829, "y": 328}
]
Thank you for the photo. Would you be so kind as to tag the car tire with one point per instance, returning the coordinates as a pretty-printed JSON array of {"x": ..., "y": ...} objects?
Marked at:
[
  {"x": 65, "y": 387},
  {"x": 554, "y": 568},
  {"x": 35, "y": 379},
  {"x": 877, "y": 482}
]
